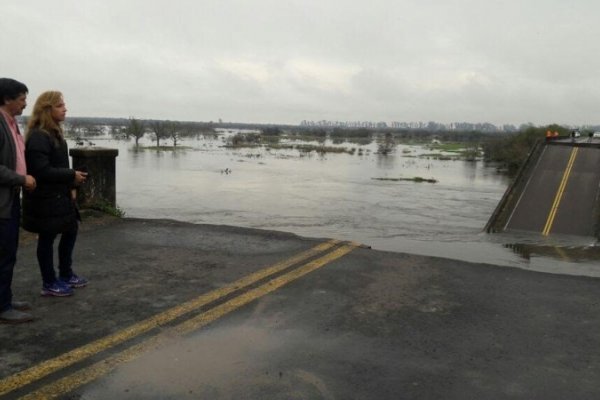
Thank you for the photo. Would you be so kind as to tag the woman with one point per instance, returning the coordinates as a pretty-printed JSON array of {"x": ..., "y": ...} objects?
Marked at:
[{"x": 50, "y": 209}]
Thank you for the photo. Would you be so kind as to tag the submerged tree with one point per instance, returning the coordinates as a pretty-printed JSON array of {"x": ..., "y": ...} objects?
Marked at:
[
  {"x": 159, "y": 129},
  {"x": 386, "y": 144},
  {"x": 172, "y": 129},
  {"x": 135, "y": 128}
]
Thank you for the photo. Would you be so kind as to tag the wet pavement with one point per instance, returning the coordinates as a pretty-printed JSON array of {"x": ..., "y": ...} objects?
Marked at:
[
  {"x": 185, "y": 311},
  {"x": 560, "y": 192}
]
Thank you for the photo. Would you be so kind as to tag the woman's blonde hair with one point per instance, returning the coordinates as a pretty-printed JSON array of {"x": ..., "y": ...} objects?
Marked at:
[{"x": 41, "y": 116}]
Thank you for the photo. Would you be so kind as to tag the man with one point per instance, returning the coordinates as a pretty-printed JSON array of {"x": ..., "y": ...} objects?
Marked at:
[{"x": 13, "y": 176}]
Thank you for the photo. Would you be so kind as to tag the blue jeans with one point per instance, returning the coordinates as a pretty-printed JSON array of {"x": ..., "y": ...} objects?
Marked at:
[
  {"x": 9, "y": 242},
  {"x": 45, "y": 254}
]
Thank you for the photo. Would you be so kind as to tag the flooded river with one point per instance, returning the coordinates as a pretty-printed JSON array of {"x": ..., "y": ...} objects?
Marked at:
[{"x": 357, "y": 197}]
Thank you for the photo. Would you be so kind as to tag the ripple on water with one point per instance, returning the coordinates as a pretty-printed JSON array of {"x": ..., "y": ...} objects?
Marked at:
[{"x": 335, "y": 196}]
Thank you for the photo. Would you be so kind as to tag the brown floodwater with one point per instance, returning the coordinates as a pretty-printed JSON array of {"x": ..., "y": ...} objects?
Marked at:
[{"x": 364, "y": 196}]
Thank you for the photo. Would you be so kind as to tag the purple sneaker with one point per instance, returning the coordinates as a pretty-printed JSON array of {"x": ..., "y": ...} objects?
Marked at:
[
  {"x": 57, "y": 289},
  {"x": 74, "y": 281}
]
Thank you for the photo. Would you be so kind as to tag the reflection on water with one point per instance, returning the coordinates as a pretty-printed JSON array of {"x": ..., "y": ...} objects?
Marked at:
[
  {"x": 334, "y": 195},
  {"x": 576, "y": 251},
  {"x": 385, "y": 161},
  {"x": 569, "y": 254},
  {"x": 232, "y": 362}
]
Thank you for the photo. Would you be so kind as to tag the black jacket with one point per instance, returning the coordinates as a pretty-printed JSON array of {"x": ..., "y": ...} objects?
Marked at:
[{"x": 49, "y": 208}]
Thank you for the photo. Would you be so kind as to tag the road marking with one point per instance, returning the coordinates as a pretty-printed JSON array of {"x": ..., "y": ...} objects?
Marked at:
[
  {"x": 561, "y": 252},
  {"x": 560, "y": 192},
  {"x": 197, "y": 322},
  {"x": 101, "y": 368},
  {"x": 47, "y": 367},
  {"x": 539, "y": 160}
]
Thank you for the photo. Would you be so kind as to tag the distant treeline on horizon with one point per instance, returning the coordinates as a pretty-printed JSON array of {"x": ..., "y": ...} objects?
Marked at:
[{"x": 431, "y": 126}]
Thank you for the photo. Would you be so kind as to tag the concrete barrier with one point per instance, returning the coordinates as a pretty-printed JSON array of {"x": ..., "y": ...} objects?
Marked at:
[{"x": 100, "y": 187}]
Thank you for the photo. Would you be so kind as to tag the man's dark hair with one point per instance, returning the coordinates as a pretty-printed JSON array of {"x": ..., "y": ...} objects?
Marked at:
[{"x": 10, "y": 89}]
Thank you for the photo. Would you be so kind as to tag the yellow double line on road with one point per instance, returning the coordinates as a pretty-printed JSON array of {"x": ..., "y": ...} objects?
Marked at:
[
  {"x": 88, "y": 374},
  {"x": 560, "y": 192}
]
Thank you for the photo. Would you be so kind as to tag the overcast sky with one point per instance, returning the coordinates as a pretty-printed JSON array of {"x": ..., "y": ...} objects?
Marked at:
[{"x": 279, "y": 61}]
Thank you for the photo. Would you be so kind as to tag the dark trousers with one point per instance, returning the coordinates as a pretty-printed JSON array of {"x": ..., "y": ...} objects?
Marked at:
[
  {"x": 45, "y": 254},
  {"x": 9, "y": 242}
]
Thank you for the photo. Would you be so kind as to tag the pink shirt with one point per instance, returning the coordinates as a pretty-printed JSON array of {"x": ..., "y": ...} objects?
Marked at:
[{"x": 21, "y": 167}]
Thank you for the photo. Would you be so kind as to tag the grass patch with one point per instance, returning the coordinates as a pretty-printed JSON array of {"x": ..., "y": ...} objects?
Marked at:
[
  {"x": 438, "y": 156},
  {"x": 280, "y": 146},
  {"x": 353, "y": 140},
  {"x": 417, "y": 179},
  {"x": 307, "y": 148},
  {"x": 306, "y": 138},
  {"x": 447, "y": 147},
  {"x": 164, "y": 148},
  {"x": 242, "y": 146},
  {"x": 107, "y": 208},
  {"x": 471, "y": 154}
]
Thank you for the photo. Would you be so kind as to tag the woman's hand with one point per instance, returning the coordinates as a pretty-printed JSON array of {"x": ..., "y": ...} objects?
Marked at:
[{"x": 80, "y": 177}]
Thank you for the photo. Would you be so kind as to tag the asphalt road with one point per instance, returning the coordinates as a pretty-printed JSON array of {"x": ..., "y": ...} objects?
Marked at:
[
  {"x": 183, "y": 311},
  {"x": 561, "y": 194}
]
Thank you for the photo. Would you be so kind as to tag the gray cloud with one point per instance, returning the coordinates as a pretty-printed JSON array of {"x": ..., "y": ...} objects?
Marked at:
[{"x": 271, "y": 61}]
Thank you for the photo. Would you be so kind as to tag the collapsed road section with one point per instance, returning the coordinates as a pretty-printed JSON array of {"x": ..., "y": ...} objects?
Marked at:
[{"x": 555, "y": 192}]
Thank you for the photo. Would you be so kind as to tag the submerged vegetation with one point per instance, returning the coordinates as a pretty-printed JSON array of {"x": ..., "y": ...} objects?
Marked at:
[
  {"x": 508, "y": 149},
  {"x": 163, "y": 148},
  {"x": 510, "y": 152},
  {"x": 106, "y": 208},
  {"x": 417, "y": 179},
  {"x": 307, "y": 148}
]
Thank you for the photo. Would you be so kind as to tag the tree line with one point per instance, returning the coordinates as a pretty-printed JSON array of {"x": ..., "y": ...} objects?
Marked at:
[
  {"x": 134, "y": 128},
  {"x": 511, "y": 151},
  {"x": 508, "y": 149}
]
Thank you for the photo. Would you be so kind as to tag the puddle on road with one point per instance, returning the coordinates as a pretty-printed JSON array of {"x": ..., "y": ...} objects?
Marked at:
[{"x": 226, "y": 363}]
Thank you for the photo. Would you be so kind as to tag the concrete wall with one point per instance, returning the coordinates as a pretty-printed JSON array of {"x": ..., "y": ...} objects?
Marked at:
[{"x": 100, "y": 187}]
